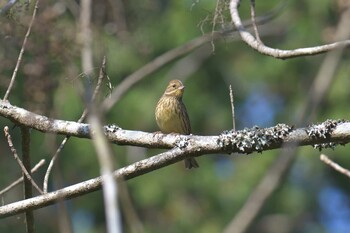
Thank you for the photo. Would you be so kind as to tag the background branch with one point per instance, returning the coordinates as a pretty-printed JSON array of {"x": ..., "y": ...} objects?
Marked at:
[
  {"x": 128, "y": 172},
  {"x": 13, "y": 78},
  {"x": 105, "y": 158},
  {"x": 101, "y": 77},
  {"x": 278, "y": 53},
  {"x": 14, "y": 152},
  {"x": 334, "y": 165},
  {"x": 28, "y": 193},
  {"x": 175, "y": 53},
  {"x": 19, "y": 180},
  {"x": 273, "y": 177},
  {"x": 7, "y": 7}
]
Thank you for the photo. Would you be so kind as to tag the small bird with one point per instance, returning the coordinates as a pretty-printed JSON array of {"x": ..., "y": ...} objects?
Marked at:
[{"x": 171, "y": 114}]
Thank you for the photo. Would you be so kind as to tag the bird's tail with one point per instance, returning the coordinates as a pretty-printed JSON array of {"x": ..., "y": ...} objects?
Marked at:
[{"x": 191, "y": 163}]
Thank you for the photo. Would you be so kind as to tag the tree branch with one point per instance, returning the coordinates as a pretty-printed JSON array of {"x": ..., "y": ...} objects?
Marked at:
[
  {"x": 241, "y": 141},
  {"x": 278, "y": 53},
  {"x": 19, "y": 180},
  {"x": 14, "y": 152},
  {"x": 105, "y": 158},
  {"x": 101, "y": 77},
  {"x": 128, "y": 172},
  {"x": 324, "y": 158},
  {"x": 175, "y": 53},
  {"x": 7, "y": 6},
  {"x": 14, "y": 74},
  {"x": 28, "y": 192}
]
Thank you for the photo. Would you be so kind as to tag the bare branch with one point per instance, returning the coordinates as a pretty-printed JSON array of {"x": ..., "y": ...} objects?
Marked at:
[
  {"x": 14, "y": 152},
  {"x": 189, "y": 146},
  {"x": 128, "y": 172},
  {"x": 81, "y": 119},
  {"x": 28, "y": 192},
  {"x": 252, "y": 12},
  {"x": 21, "y": 52},
  {"x": 261, "y": 192},
  {"x": 173, "y": 54},
  {"x": 278, "y": 53},
  {"x": 333, "y": 131},
  {"x": 109, "y": 186},
  {"x": 19, "y": 180},
  {"x": 324, "y": 158},
  {"x": 216, "y": 15},
  {"x": 328, "y": 69},
  {"x": 279, "y": 168},
  {"x": 85, "y": 37},
  {"x": 7, "y": 7},
  {"x": 151, "y": 67}
]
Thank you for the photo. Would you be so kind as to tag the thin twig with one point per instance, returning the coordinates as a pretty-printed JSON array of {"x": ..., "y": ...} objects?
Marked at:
[
  {"x": 216, "y": 15},
  {"x": 14, "y": 152},
  {"x": 52, "y": 162},
  {"x": 324, "y": 158},
  {"x": 21, "y": 52},
  {"x": 233, "y": 109},
  {"x": 101, "y": 77},
  {"x": 252, "y": 12},
  {"x": 19, "y": 180},
  {"x": 28, "y": 192}
]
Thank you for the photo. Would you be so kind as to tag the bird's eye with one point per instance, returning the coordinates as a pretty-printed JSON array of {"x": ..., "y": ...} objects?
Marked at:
[{"x": 174, "y": 85}]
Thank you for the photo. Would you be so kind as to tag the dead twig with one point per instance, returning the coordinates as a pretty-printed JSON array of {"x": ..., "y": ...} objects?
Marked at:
[
  {"x": 252, "y": 13},
  {"x": 14, "y": 152},
  {"x": 21, "y": 52},
  {"x": 19, "y": 180},
  {"x": 101, "y": 77},
  {"x": 28, "y": 192},
  {"x": 324, "y": 158}
]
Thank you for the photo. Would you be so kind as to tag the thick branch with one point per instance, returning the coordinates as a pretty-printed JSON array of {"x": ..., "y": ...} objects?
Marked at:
[
  {"x": 242, "y": 141},
  {"x": 186, "y": 146},
  {"x": 322, "y": 135}
]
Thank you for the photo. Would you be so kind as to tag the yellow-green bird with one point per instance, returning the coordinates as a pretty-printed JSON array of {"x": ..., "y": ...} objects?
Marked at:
[{"x": 171, "y": 114}]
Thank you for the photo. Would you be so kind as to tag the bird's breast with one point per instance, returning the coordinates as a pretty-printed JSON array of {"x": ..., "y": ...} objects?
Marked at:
[{"x": 168, "y": 115}]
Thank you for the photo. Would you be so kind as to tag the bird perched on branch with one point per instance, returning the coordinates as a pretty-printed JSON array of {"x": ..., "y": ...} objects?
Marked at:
[{"x": 171, "y": 114}]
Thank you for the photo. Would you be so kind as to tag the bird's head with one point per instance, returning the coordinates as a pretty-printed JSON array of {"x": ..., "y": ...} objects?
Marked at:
[{"x": 175, "y": 88}]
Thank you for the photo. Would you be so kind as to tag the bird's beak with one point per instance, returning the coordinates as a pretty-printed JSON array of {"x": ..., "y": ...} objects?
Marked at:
[{"x": 182, "y": 87}]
